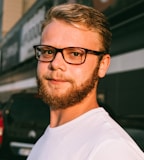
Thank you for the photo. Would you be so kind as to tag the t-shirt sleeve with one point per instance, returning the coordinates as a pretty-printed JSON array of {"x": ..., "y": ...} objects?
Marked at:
[{"x": 117, "y": 150}]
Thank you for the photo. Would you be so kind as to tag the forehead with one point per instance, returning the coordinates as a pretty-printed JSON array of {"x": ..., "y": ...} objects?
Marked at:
[{"x": 61, "y": 34}]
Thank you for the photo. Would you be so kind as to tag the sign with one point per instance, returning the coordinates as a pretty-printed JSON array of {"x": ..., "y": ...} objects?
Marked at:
[
  {"x": 30, "y": 35},
  {"x": 10, "y": 52}
]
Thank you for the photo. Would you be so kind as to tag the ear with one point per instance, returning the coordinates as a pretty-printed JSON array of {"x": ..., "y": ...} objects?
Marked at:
[{"x": 104, "y": 65}]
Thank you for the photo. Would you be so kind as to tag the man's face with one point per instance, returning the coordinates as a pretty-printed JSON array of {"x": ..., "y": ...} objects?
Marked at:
[{"x": 63, "y": 85}]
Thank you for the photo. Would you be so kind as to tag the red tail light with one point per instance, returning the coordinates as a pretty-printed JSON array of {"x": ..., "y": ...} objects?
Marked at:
[{"x": 1, "y": 127}]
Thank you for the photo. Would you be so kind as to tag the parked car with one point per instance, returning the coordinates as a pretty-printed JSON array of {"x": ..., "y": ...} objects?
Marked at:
[
  {"x": 1, "y": 125},
  {"x": 134, "y": 126},
  {"x": 25, "y": 118}
]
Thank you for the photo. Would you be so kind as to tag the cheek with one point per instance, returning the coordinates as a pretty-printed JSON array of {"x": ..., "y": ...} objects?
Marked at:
[
  {"x": 41, "y": 67},
  {"x": 85, "y": 71},
  {"x": 80, "y": 75}
]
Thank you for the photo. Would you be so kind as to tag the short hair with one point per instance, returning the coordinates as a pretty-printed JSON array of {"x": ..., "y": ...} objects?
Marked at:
[{"x": 78, "y": 14}]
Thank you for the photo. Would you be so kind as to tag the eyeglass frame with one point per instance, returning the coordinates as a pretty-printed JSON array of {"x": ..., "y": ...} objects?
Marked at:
[{"x": 87, "y": 51}]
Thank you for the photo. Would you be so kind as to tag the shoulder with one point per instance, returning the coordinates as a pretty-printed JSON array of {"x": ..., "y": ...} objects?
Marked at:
[
  {"x": 117, "y": 149},
  {"x": 112, "y": 141}
]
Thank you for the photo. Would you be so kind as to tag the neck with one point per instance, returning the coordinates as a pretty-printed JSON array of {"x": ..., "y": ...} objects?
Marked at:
[{"x": 62, "y": 116}]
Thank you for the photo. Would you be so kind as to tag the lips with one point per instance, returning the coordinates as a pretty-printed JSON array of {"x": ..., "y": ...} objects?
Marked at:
[{"x": 56, "y": 81}]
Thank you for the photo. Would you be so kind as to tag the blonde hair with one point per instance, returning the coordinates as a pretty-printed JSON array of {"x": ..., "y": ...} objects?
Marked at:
[{"x": 77, "y": 14}]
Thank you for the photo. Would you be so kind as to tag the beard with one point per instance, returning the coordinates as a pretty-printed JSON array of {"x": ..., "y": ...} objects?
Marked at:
[{"x": 72, "y": 96}]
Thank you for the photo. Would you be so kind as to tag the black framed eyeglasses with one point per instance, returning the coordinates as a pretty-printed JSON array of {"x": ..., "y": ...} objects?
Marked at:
[{"x": 71, "y": 55}]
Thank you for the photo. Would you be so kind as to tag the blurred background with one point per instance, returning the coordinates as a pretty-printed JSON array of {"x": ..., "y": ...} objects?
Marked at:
[{"x": 121, "y": 92}]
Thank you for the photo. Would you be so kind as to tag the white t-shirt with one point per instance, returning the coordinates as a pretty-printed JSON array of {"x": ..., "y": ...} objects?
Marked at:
[{"x": 92, "y": 136}]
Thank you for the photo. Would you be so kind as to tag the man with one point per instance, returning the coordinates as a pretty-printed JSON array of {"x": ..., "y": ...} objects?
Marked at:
[{"x": 72, "y": 56}]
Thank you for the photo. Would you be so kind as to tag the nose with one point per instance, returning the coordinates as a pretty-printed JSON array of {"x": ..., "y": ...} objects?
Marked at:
[{"x": 58, "y": 62}]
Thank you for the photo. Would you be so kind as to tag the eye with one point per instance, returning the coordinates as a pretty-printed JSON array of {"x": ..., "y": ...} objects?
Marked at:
[
  {"x": 76, "y": 54},
  {"x": 48, "y": 51}
]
